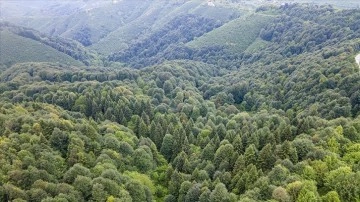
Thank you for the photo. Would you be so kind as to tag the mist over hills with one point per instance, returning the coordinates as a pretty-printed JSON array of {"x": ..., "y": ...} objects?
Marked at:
[
  {"x": 184, "y": 100},
  {"x": 101, "y": 23}
]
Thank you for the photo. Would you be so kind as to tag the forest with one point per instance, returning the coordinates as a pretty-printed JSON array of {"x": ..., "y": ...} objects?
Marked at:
[{"x": 177, "y": 117}]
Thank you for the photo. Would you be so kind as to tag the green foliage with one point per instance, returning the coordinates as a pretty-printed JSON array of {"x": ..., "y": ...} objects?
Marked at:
[
  {"x": 136, "y": 191},
  {"x": 236, "y": 35},
  {"x": 280, "y": 194},
  {"x": 220, "y": 193},
  {"x": 166, "y": 43},
  {"x": 57, "y": 47},
  {"x": 331, "y": 196},
  {"x": 16, "y": 49},
  {"x": 167, "y": 147},
  {"x": 283, "y": 126}
]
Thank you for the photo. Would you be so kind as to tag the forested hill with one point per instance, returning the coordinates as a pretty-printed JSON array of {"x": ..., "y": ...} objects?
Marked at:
[
  {"x": 272, "y": 116},
  {"x": 21, "y": 44}
]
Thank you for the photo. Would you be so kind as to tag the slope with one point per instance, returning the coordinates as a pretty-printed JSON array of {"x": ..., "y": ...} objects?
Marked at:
[
  {"x": 302, "y": 67},
  {"x": 66, "y": 46},
  {"x": 14, "y": 49},
  {"x": 86, "y": 22},
  {"x": 156, "y": 16},
  {"x": 119, "y": 22},
  {"x": 282, "y": 125},
  {"x": 194, "y": 37},
  {"x": 235, "y": 35}
]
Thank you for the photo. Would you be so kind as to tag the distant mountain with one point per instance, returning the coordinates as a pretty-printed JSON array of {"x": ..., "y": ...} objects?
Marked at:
[
  {"x": 235, "y": 35},
  {"x": 143, "y": 33},
  {"x": 20, "y": 44},
  {"x": 230, "y": 102},
  {"x": 15, "y": 48},
  {"x": 157, "y": 16},
  {"x": 94, "y": 21},
  {"x": 112, "y": 26}
]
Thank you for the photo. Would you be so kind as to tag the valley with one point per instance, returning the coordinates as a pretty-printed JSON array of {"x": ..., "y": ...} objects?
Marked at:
[{"x": 183, "y": 100}]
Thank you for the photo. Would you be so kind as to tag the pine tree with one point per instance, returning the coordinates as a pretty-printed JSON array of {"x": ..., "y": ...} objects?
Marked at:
[
  {"x": 152, "y": 131},
  {"x": 250, "y": 155},
  {"x": 186, "y": 146},
  {"x": 208, "y": 152},
  {"x": 189, "y": 127},
  {"x": 145, "y": 118},
  {"x": 167, "y": 147},
  {"x": 205, "y": 195},
  {"x": 158, "y": 136},
  {"x": 221, "y": 131},
  {"x": 266, "y": 158},
  {"x": 219, "y": 194},
  {"x": 238, "y": 145},
  {"x": 193, "y": 193},
  {"x": 143, "y": 129},
  {"x": 175, "y": 183}
]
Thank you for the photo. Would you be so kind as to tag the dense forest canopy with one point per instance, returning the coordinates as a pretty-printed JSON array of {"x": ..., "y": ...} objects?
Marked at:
[{"x": 180, "y": 101}]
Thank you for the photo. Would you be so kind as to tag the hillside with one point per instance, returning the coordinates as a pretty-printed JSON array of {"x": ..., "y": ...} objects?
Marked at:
[
  {"x": 15, "y": 48},
  {"x": 194, "y": 37},
  {"x": 263, "y": 106},
  {"x": 156, "y": 17},
  {"x": 112, "y": 26},
  {"x": 42, "y": 46},
  {"x": 107, "y": 22},
  {"x": 236, "y": 35}
]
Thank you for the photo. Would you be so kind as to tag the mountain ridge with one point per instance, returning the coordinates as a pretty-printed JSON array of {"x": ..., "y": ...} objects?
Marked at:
[
  {"x": 276, "y": 118},
  {"x": 64, "y": 46}
]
